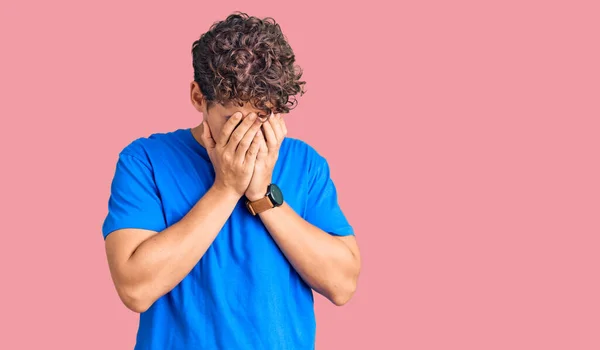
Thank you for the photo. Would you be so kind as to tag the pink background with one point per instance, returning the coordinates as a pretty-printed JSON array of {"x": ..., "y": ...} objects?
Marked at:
[{"x": 463, "y": 138}]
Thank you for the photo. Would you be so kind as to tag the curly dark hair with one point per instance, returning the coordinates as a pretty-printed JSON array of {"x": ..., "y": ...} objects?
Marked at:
[{"x": 247, "y": 59}]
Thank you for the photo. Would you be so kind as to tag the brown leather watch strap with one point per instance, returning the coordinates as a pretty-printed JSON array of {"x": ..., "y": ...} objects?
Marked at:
[{"x": 259, "y": 206}]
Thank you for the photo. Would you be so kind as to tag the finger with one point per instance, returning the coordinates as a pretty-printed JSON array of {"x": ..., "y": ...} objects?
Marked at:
[
  {"x": 263, "y": 151},
  {"x": 228, "y": 128},
  {"x": 277, "y": 128},
  {"x": 261, "y": 138},
  {"x": 239, "y": 132},
  {"x": 253, "y": 150},
  {"x": 206, "y": 136},
  {"x": 283, "y": 126},
  {"x": 246, "y": 141},
  {"x": 270, "y": 136}
]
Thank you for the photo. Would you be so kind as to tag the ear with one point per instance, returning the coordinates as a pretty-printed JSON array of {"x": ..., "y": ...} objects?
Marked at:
[{"x": 197, "y": 98}]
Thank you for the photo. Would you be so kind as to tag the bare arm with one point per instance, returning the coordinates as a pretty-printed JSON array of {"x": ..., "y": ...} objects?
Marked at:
[
  {"x": 146, "y": 265},
  {"x": 329, "y": 264}
]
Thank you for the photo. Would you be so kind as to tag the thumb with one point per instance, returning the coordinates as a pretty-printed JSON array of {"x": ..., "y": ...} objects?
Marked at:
[{"x": 209, "y": 142}]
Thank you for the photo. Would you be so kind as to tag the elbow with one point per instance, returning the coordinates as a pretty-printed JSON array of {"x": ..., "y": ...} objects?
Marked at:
[
  {"x": 133, "y": 298},
  {"x": 137, "y": 306},
  {"x": 344, "y": 290},
  {"x": 342, "y": 295}
]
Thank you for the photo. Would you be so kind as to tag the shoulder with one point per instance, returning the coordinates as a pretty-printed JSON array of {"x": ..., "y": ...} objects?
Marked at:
[
  {"x": 303, "y": 154},
  {"x": 301, "y": 149},
  {"x": 142, "y": 148}
]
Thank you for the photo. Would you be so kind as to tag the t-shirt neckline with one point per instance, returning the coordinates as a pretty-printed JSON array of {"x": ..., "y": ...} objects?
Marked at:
[{"x": 191, "y": 140}]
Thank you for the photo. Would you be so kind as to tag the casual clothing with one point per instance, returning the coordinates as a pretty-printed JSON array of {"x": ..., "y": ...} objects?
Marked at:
[{"x": 243, "y": 293}]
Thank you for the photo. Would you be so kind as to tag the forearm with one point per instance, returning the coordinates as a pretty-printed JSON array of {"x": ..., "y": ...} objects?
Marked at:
[
  {"x": 323, "y": 261},
  {"x": 163, "y": 260}
]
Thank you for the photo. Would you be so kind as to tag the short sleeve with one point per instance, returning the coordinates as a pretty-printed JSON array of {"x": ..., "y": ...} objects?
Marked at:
[
  {"x": 134, "y": 200},
  {"x": 323, "y": 209}
]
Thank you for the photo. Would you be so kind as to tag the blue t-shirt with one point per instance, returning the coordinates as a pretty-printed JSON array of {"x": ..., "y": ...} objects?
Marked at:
[{"x": 243, "y": 293}]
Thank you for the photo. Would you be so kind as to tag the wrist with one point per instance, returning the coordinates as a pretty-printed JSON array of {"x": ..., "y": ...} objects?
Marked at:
[
  {"x": 272, "y": 197},
  {"x": 254, "y": 197},
  {"x": 225, "y": 192}
]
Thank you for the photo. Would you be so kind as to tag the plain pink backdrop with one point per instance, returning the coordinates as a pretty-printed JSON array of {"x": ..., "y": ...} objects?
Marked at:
[{"x": 463, "y": 138}]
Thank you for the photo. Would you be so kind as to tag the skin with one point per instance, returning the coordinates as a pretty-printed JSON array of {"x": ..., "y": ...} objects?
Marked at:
[{"x": 146, "y": 265}]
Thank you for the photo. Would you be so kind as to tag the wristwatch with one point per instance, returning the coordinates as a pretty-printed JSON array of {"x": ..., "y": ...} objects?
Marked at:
[{"x": 272, "y": 199}]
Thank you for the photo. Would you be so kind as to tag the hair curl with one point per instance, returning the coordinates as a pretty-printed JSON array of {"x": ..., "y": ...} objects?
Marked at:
[{"x": 247, "y": 59}]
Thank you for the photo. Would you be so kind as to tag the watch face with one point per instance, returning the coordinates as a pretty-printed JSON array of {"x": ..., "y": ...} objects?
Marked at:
[{"x": 275, "y": 195}]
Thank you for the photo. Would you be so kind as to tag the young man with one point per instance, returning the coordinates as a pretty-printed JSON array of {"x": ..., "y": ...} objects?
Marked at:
[{"x": 218, "y": 234}]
